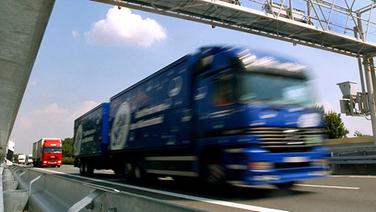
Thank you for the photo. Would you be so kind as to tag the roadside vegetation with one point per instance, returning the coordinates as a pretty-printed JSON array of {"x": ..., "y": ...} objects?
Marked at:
[
  {"x": 68, "y": 151},
  {"x": 334, "y": 126}
]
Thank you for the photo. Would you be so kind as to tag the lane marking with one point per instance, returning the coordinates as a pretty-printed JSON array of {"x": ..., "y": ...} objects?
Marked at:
[
  {"x": 328, "y": 186},
  {"x": 354, "y": 176},
  {"x": 173, "y": 194}
]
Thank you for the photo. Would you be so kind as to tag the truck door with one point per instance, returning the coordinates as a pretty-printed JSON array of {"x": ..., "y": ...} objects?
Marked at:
[{"x": 214, "y": 102}]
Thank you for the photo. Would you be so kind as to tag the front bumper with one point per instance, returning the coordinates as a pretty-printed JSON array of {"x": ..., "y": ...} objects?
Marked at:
[
  {"x": 286, "y": 167},
  {"x": 51, "y": 163}
]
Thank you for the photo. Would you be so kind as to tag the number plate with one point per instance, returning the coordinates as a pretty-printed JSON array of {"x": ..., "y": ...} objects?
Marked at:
[{"x": 295, "y": 159}]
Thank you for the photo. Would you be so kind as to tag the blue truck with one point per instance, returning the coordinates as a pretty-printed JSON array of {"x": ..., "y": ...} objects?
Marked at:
[{"x": 222, "y": 115}]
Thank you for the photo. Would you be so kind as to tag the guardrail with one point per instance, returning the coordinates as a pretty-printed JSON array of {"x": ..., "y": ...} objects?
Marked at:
[
  {"x": 364, "y": 153},
  {"x": 49, "y": 192}
]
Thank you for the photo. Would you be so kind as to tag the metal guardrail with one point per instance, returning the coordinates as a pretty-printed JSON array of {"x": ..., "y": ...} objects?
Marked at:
[
  {"x": 49, "y": 192},
  {"x": 353, "y": 154}
]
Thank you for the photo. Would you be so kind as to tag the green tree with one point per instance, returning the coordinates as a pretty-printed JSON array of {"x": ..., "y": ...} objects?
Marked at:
[
  {"x": 68, "y": 147},
  {"x": 334, "y": 126},
  {"x": 320, "y": 109}
]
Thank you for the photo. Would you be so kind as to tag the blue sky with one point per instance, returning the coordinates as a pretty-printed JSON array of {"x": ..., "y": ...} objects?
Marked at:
[{"x": 80, "y": 64}]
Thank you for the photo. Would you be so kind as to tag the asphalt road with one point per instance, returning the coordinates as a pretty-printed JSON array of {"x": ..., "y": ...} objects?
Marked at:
[{"x": 334, "y": 193}]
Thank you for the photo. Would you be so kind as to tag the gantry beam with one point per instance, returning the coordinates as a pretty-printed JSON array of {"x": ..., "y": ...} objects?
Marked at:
[{"x": 236, "y": 17}]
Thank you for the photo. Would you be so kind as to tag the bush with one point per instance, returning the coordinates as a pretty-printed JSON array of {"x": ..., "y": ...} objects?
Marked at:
[{"x": 68, "y": 160}]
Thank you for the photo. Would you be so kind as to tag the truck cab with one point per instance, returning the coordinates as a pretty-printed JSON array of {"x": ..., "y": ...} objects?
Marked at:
[
  {"x": 47, "y": 152},
  {"x": 21, "y": 159},
  {"x": 255, "y": 119}
]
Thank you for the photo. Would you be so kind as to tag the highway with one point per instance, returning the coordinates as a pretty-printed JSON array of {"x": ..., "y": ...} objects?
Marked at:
[{"x": 334, "y": 193}]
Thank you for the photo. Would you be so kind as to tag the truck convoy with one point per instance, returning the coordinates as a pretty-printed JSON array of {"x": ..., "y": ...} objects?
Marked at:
[
  {"x": 47, "y": 152},
  {"x": 223, "y": 114}
]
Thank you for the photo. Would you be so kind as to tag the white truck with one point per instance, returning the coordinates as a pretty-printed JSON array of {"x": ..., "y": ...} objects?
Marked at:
[{"x": 21, "y": 159}]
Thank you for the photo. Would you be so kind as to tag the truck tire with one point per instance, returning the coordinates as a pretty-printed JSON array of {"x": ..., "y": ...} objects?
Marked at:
[
  {"x": 139, "y": 173},
  {"x": 128, "y": 171},
  {"x": 82, "y": 168},
  {"x": 89, "y": 169},
  {"x": 213, "y": 174}
]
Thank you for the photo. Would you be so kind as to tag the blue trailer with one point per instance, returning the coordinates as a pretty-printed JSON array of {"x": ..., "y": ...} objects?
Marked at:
[
  {"x": 91, "y": 140},
  {"x": 222, "y": 114}
]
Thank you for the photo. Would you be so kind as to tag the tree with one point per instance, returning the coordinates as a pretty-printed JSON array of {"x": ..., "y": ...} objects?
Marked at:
[
  {"x": 68, "y": 147},
  {"x": 320, "y": 109},
  {"x": 334, "y": 126}
]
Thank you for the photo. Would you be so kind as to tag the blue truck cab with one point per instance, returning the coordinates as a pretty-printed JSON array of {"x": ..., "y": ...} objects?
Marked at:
[
  {"x": 255, "y": 121},
  {"x": 222, "y": 114}
]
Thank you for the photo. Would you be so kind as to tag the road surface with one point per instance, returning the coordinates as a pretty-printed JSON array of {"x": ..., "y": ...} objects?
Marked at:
[{"x": 334, "y": 193}]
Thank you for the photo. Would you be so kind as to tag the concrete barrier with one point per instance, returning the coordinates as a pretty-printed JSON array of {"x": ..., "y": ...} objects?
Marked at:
[
  {"x": 48, "y": 192},
  {"x": 11, "y": 199},
  {"x": 15, "y": 200}
]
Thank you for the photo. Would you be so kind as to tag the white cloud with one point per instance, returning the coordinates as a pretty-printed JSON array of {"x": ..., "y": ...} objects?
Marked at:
[
  {"x": 123, "y": 28},
  {"x": 76, "y": 34},
  {"x": 52, "y": 110}
]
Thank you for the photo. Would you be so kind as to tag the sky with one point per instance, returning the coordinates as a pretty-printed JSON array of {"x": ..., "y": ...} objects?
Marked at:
[{"x": 92, "y": 51}]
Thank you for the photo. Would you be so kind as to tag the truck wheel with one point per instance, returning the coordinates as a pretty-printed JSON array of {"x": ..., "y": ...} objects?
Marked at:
[
  {"x": 214, "y": 174},
  {"x": 128, "y": 171},
  {"x": 137, "y": 172},
  {"x": 140, "y": 175},
  {"x": 82, "y": 168},
  {"x": 285, "y": 186},
  {"x": 89, "y": 169}
]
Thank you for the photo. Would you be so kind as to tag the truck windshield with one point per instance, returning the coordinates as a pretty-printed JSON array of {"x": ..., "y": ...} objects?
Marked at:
[
  {"x": 273, "y": 89},
  {"x": 52, "y": 149}
]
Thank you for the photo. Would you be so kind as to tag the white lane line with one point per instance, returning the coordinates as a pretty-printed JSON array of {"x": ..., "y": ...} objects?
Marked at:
[
  {"x": 353, "y": 176},
  {"x": 183, "y": 196},
  {"x": 328, "y": 186}
]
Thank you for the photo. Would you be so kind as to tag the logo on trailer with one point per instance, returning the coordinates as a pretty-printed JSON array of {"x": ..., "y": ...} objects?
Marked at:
[
  {"x": 120, "y": 127},
  {"x": 174, "y": 87}
]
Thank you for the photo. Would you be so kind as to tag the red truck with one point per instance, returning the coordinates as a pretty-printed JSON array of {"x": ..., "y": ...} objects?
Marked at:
[{"x": 47, "y": 152}]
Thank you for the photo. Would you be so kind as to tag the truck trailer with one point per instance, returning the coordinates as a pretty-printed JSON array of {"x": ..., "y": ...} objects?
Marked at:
[
  {"x": 47, "y": 152},
  {"x": 221, "y": 115}
]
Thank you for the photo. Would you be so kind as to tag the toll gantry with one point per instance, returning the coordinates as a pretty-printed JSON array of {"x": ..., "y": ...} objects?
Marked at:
[{"x": 346, "y": 27}]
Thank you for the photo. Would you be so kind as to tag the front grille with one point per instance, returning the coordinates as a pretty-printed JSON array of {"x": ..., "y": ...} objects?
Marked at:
[{"x": 277, "y": 139}]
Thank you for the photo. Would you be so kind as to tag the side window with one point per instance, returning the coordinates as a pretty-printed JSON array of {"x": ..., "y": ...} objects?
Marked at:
[{"x": 224, "y": 91}]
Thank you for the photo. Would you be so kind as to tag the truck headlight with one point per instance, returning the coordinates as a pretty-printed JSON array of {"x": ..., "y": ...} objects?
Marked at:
[{"x": 260, "y": 166}]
